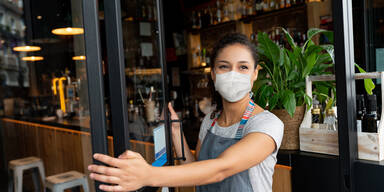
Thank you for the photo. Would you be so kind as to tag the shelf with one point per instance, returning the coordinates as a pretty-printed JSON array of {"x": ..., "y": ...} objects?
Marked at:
[
  {"x": 272, "y": 13},
  {"x": 133, "y": 19},
  {"x": 258, "y": 16},
  {"x": 149, "y": 71}
]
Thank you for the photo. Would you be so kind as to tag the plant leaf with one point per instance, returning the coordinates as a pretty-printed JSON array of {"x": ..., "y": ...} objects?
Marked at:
[
  {"x": 313, "y": 31},
  {"x": 273, "y": 101},
  {"x": 310, "y": 62},
  {"x": 290, "y": 40},
  {"x": 308, "y": 101},
  {"x": 368, "y": 83},
  {"x": 330, "y": 50},
  {"x": 268, "y": 48},
  {"x": 289, "y": 102},
  {"x": 292, "y": 75},
  {"x": 329, "y": 35}
]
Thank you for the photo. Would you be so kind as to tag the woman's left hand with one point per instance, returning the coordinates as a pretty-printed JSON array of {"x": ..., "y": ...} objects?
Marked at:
[{"x": 127, "y": 173}]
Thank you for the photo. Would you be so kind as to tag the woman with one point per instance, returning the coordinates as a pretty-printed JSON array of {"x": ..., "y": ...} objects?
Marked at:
[{"x": 237, "y": 145}]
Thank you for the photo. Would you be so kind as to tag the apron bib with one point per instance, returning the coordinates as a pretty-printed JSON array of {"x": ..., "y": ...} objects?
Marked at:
[{"x": 213, "y": 145}]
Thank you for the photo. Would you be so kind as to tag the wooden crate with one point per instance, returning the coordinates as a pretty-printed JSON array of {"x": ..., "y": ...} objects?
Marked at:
[{"x": 370, "y": 145}]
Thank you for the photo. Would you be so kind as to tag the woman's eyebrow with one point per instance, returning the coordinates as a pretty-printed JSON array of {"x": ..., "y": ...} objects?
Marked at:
[
  {"x": 223, "y": 61},
  {"x": 243, "y": 62}
]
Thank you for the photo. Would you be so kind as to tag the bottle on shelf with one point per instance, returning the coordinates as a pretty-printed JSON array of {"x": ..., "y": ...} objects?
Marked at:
[
  {"x": 131, "y": 111},
  {"x": 370, "y": 120},
  {"x": 243, "y": 8},
  {"x": 282, "y": 4},
  {"x": 250, "y": 8},
  {"x": 199, "y": 20},
  {"x": 211, "y": 17},
  {"x": 330, "y": 120},
  {"x": 225, "y": 11},
  {"x": 194, "y": 20},
  {"x": 203, "y": 58},
  {"x": 315, "y": 118},
  {"x": 218, "y": 12},
  {"x": 259, "y": 6},
  {"x": 288, "y": 3},
  {"x": 232, "y": 11},
  {"x": 361, "y": 110},
  {"x": 143, "y": 11},
  {"x": 272, "y": 5}
]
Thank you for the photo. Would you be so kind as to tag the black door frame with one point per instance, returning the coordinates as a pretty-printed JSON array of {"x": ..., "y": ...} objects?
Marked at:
[
  {"x": 346, "y": 93},
  {"x": 95, "y": 80}
]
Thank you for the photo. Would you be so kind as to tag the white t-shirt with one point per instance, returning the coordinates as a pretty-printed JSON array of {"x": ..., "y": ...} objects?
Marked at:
[{"x": 263, "y": 122}]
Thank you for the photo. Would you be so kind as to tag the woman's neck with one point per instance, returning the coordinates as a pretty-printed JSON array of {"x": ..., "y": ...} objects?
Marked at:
[{"x": 233, "y": 112}]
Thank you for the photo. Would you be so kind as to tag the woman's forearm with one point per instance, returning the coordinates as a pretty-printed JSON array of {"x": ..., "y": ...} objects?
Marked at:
[
  {"x": 191, "y": 174},
  {"x": 177, "y": 145}
]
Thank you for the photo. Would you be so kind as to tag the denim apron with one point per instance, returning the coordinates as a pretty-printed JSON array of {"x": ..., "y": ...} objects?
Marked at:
[{"x": 213, "y": 145}]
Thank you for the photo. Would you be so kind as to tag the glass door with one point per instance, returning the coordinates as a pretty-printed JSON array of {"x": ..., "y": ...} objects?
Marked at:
[
  {"x": 51, "y": 112},
  {"x": 138, "y": 79}
]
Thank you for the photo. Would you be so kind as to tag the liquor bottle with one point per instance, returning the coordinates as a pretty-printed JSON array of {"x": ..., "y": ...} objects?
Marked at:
[
  {"x": 250, "y": 7},
  {"x": 194, "y": 20},
  {"x": 277, "y": 4},
  {"x": 315, "y": 118},
  {"x": 199, "y": 20},
  {"x": 204, "y": 18},
  {"x": 259, "y": 5},
  {"x": 288, "y": 3},
  {"x": 271, "y": 5},
  {"x": 203, "y": 59},
  {"x": 150, "y": 12},
  {"x": 370, "y": 118},
  {"x": 242, "y": 9},
  {"x": 143, "y": 11},
  {"x": 282, "y": 4},
  {"x": 131, "y": 111},
  {"x": 211, "y": 17},
  {"x": 330, "y": 120},
  {"x": 218, "y": 12},
  {"x": 231, "y": 9},
  {"x": 225, "y": 11},
  {"x": 265, "y": 5},
  {"x": 360, "y": 107}
]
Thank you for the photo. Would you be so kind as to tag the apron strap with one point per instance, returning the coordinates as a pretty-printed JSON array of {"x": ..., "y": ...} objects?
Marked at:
[{"x": 244, "y": 119}]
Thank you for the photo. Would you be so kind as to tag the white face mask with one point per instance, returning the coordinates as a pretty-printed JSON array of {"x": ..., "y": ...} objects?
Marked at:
[{"x": 233, "y": 86}]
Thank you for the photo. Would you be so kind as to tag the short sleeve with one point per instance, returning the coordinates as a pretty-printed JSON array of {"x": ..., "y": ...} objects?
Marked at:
[
  {"x": 204, "y": 127},
  {"x": 267, "y": 123}
]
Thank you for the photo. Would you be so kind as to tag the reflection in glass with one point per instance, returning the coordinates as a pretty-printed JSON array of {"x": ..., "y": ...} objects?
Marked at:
[{"x": 44, "y": 109}]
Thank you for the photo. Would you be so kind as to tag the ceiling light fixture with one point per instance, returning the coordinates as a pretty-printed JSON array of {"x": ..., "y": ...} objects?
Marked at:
[
  {"x": 79, "y": 58},
  {"x": 68, "y": 31},
  {"x": 33, "y": 58},
  {"x": 27, "y": 48}
]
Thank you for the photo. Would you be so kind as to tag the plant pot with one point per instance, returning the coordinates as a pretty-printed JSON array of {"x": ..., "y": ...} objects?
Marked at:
[{"x": 291, "y": 127}]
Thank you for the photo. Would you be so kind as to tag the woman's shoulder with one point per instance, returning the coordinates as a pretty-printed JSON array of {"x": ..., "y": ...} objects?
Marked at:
[
  {"x": 266, "y": 120},
  {"x": 266, "y": 117}
]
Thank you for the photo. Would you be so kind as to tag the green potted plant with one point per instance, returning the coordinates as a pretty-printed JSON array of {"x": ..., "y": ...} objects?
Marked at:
[{"x": 281, "y": 83}]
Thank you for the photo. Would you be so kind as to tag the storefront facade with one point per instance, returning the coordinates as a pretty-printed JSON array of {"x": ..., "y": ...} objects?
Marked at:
[{"x": 86, "y": 76}]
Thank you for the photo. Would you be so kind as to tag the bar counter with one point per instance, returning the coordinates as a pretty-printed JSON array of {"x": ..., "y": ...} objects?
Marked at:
[{"x": 63, "y": 145}]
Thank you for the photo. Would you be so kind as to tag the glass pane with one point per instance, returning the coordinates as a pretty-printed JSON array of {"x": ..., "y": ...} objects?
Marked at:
[
  {"x": 43, "y": 88},
  {"x": 143, "y": 74},
  {"x": 368, "y": 23}
]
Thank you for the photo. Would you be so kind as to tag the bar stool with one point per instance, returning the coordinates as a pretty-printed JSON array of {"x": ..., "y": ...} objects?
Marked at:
[
  {"x": 18, "y": 166},
  {"x": 67, "y": 180}
]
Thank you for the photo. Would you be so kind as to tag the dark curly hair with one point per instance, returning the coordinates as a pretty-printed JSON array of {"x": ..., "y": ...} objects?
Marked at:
[{"x": 227, "y": 40}]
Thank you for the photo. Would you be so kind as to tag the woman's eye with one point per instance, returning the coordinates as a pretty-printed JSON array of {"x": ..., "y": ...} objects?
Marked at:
[
  {"x": 243, "y": 67},
  {"x": 222, "y": 67}
]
